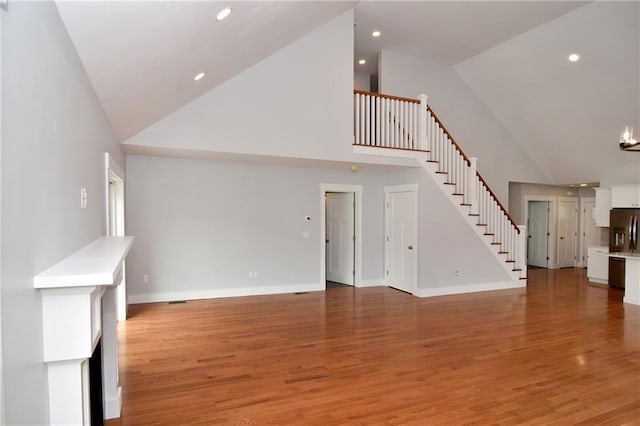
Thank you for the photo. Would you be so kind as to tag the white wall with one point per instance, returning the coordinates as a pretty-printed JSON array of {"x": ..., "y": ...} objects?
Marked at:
[
  {"x": 450, "y": 254},
  {"x": 54, "y": 134},
  {"x": 518, "y": 192},
  {"x": 202, "y": 226},
  {"x": 296, "y": 103},
  {"x": 362, "y": 81},
  {"x": 477, "y": 131}
]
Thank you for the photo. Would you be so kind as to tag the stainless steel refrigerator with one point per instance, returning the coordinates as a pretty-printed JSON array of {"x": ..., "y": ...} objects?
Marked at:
[{"x": 623, "y": 238}]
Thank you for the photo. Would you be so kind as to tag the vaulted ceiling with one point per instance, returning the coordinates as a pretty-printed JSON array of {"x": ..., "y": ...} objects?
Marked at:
[{"x": 142, "y": 56}]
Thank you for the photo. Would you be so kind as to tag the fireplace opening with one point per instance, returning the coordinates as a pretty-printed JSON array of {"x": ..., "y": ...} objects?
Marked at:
[{"x": 95, "y": 386}]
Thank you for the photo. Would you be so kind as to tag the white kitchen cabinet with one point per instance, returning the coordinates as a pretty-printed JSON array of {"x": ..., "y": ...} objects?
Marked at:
[
  {"x": 598, "y": 264},
  {"x": 625, "y": 196},
  {"x": 603, "y": 205}
]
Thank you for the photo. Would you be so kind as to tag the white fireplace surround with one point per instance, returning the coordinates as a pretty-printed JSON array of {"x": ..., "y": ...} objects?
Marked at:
[{"x": 78, "y": 308}]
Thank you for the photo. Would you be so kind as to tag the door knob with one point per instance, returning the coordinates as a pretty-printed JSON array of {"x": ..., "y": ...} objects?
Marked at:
[
  {"x": 562, "y": 238},
  {"x": 410, "y": 247},
  {"x": 326, "y": 241}
]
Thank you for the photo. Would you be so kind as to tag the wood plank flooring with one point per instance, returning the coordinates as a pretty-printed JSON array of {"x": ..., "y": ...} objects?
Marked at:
[{"x": 561, "y": 352}]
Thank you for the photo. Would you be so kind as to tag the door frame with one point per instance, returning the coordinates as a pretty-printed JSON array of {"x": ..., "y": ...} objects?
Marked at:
[
  {"x": 2, "y": 415},
  {"x": 413, "y": 188},
  {"x": 582, "y": 256},
  {"x": 114, "y": 173},
  {"x": 357, "y": 261},
  {"x": 351, "y": 197},
  {"x": 551, "y": 243},
  {"x": 529, "y": 228},
  {"x": 574, "y": 200}
]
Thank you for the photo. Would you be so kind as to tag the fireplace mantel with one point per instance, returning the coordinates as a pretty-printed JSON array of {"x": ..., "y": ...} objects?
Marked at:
[{"x": 78, "y": 308}]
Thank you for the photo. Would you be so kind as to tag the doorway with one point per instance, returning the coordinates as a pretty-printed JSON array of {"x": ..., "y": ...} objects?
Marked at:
[
  {"x": 340, "y": 237},
  {"x": 114, "y": 189},
  {"x": 401, "y": 249},
  {"x": 341, "y": 234},
  {"x": 567, "y": 232},
  {"x": 538, "y": 233}
]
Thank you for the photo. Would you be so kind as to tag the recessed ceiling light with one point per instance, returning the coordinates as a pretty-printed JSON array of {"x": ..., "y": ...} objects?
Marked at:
[
  {"x": 574, "y": 57},
  {"x": 223, "y": 14},
  {"x": 198, "y": 76},
  {"x": 376, "y": 34},
  {"x": 362, "y": 62},
  {"x": 583, "y": 184}
]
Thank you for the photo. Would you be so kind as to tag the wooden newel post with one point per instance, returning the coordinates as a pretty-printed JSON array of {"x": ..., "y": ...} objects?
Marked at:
[
  {"x": 521, "y": 260},
  {"x": 473, "y": 185},
  {"x": 423, "y": 142}
]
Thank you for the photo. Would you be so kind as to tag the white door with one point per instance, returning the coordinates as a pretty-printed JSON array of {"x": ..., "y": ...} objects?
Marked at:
[
  {"x": 538, "y": 234},
  {"x": 567, "y": 233},
  {"x": 340, "y": 236},
  {"x": 590, "y": 232},
  {"x": 400, "y": 249}
]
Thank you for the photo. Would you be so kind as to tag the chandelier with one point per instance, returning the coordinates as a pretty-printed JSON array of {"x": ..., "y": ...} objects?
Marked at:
[{"x": 627, "y": 141}]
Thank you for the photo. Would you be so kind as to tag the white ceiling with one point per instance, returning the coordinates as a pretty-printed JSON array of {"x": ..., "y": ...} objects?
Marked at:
[
  {"x": 446, "y": 32},
  {"x": 141, "y": 58}
]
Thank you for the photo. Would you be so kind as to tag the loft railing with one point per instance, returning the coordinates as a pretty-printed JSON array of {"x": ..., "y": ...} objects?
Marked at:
[{"x": 386, "y": 121}]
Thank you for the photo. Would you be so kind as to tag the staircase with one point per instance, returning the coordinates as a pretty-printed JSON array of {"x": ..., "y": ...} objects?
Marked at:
[{"x": 409, "y": 126}]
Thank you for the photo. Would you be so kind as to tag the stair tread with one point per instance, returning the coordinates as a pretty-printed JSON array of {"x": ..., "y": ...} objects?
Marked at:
[
  {"x": 510, "y": 261},
  {"x": 503, "y": 252},
  {"x": 441, "y": 173},
  {"x": 488, "y": 233},
  {"x": 517, "y": 270},
  {"x": 432, "y": 161},
  {"x": 496, "y": 244}
]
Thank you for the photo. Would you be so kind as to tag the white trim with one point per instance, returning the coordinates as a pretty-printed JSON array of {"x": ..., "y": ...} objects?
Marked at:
[
  {"x": 115, "y": 173},
  {"x": 413, "y": 188},
  {"x": 576, "y": 226},
  {"x": 172, "y": 296},
  {"x": 113, "y": 405},
  {"x": 2, "y": 415},
  {"x": 335, "y": 187},
  {"x": 582, "y": 260},
  {"x": 471, "y": 288},
  {"x": 380, "y": 282}
]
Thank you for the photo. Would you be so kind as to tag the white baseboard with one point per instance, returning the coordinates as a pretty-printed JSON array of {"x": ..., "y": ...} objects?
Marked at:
[
  {"x": 371, "y": 283},
  {"x": 472, "y": 288},
  {"x": 112, "y": 406},
  {"x": 631, "y": 300},
  {"x": 171, "y": 296}
]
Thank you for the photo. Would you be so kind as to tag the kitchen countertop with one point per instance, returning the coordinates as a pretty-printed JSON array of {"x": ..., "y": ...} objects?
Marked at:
[{"x": 626, "y": 255}]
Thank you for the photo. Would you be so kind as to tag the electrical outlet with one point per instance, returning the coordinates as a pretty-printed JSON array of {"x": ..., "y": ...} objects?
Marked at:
[
  {"x": 253, "y": 274},
  {"x": 457, "y": 273},
  {"x": 145, "y": 279}
]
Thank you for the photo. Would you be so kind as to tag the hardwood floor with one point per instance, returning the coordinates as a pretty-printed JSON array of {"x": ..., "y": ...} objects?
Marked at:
[{"x": 560, "y": 352}]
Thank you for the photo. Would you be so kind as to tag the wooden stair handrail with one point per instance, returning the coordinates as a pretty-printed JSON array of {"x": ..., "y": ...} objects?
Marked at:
[
  {"x": 453, "y": 141},
  {"x": 493, "y": 195},
  {"x": 380, "y": 95}
]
